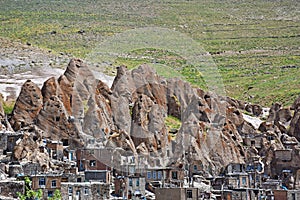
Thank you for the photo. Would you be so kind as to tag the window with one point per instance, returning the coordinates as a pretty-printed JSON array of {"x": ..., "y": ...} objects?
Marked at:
[
  {"x": 65, "y": 142},
  {"x": 244, "y": 181},
  {"x": 50, "y": 193},
  {"x": 42, "y": 182},
  {"x": 189, "y": 194},
  {"x": 187, "y": 167},
  {"x": 71, "y": 156},
  {"x": 174, "y": 175},
  {"x": 57, "y": 118},
  {"x": 293, "y": 196},
  {"x": 130, "y": 181},
  {"x": 159, "y": 175},
  {"x": 149, "y": 175},
  {"x": 195, "y": 167},
  {"x": 53, "y": 183},
  {"x": 154, "y": 174},
  {"x": 270, "y": 138},
  {"x": 137, "y": 183},
  {"x": 86, "y": 191},
  {"x": 81, "y": 167},
  {"x": 70, "y": 190},
  {"x": 92, "y": 163}
]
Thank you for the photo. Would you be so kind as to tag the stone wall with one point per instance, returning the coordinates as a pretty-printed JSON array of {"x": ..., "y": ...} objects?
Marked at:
[
  {"x": 9, "y": 188},
  {"x": 85, "y": 190}
]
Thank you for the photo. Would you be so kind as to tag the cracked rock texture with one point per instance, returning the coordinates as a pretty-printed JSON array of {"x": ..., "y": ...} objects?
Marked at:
[{"x": 135, "y": 114}]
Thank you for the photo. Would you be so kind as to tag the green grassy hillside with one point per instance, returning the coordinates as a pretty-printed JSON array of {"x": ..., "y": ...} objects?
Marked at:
[{"x": 255, "y": 44}]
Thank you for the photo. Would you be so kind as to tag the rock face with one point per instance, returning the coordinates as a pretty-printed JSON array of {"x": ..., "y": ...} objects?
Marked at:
[
  {"x": 141, "y": 102},
  {"x": 295, "y": 122},
  {"x": 71, "y": 107},
  {"x": 2, "y": 115},
  {"x": 27, "y": 107},
  {"x": 166, "y": 120}
]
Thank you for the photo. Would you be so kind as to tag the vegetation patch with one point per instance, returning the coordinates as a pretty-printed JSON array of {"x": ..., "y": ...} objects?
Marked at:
[
  {"x": 8, "y": 106},
  {"x": 251, "y": 42},
  {"x": 173, "y": 124}
]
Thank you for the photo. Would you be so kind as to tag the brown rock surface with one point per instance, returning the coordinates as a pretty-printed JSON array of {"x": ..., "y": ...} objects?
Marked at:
[
  {"x": 203, "y": 117},
  {"x": 295, "y": 121},
  {"x": 1, "y": 108},
  {"x": 76, "y": 105},
  {"x": 133, "y": 115},
  {"x": 27, "y": 106}
]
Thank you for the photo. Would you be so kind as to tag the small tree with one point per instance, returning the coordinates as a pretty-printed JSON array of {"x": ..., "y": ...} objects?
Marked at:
[
  {"x": 29, "y": 193},
  {"x": 56, "y": 195}
]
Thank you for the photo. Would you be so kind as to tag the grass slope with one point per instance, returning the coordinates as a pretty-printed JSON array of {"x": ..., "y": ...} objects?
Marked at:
[{"x": 251, "y": 42}]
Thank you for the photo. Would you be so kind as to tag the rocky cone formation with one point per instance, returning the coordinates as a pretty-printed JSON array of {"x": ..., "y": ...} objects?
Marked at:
[
  {"x": 27, "y": 107},
  {"x": 295, "y": 121},
  {"x": 134, "y": 114}
]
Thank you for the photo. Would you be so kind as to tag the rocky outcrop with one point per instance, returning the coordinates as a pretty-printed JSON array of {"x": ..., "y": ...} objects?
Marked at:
[
  {"x": 2, "y": 114},
  {"x": 295, "y": 121},
  {"x": 71, "y": 107},
  {"x": 98, "y": 115},
  {"x": 134, "y": 115},
  {"x": 53, "y": 119},
  {"x": 27, "y": 106},
  {"x": 141, "y": 101}
]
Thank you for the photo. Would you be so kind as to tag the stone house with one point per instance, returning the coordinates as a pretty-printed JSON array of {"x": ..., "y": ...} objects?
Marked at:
[
  {"x": 297, "y": 179},
  {"x": 31, "y": 168},
  {"x": 69, "y": 154},
  {"x": 255, "y": 171},
  {"x": 130, "y": 165},
  {"x": 179, "y": 193},
  {"x": 10, "y": 187},
  {"x": 71, "y": 169},
  {"x": 290, "y": 144},
  {"x": 285, "y": 160},
  {"x": 126, "y": 164},
  {"x": 271, "y": 184},
  {"x": 98, "y": 175},
  {"x": 218, "y": 182},
  {"x": 156, "y": 174},
  {"x": 253, "y": 141},
  {"x": 234, "y": 168},
  {"x": 237, "y": 181},
  {"x": 85, "y": 191},
  {"x": 15, "y": 169},
  {"x": 132, "y": 187},
  {"x": 175, "y": 176},
  {"x": 196, "y": 167},
  {"x": 47, "y": 182},
  {"x": 55, "y": 149},
  {"x": 93, "y": 159},
  {"x": 70, "y": 177},
  {"x": 286, "y": 194},
  {"x": 170, "y": 176},
  {"x": 283, "y": 155},
  {"x": 236, "y": 176},
  {"x": 8, "y": 141},
  {"x": 243, "y": 193}
]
